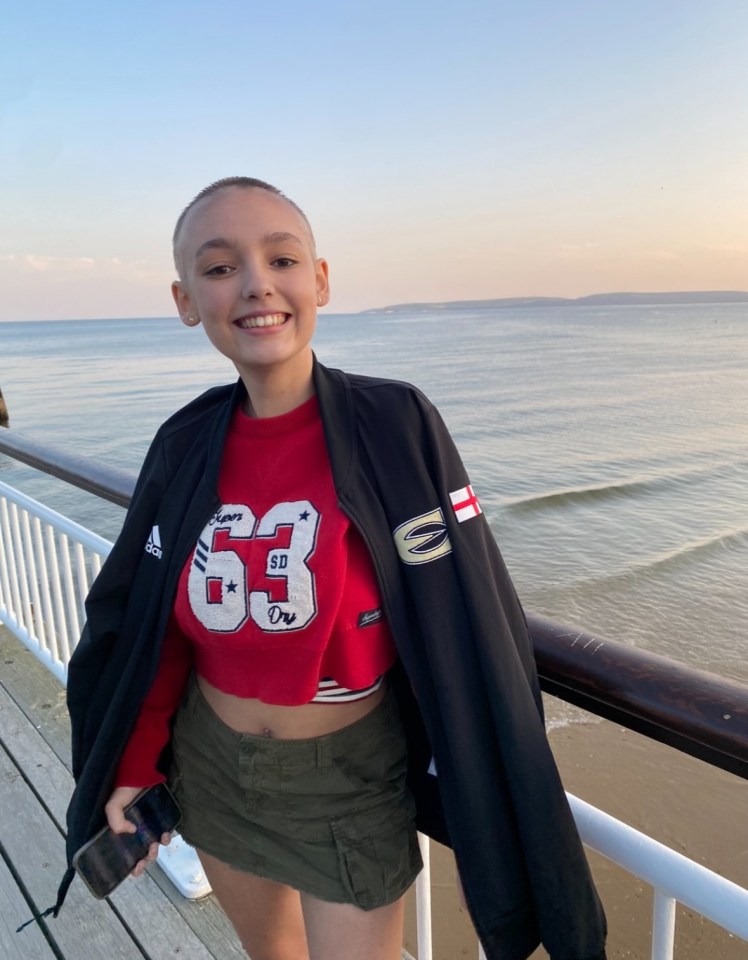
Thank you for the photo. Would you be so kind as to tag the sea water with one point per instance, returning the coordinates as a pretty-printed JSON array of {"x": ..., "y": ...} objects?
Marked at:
[{"x": 608, "y": 445}]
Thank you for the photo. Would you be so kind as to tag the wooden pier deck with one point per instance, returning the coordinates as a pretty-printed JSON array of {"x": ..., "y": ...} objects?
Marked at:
[{"x": 145, "y": 918}]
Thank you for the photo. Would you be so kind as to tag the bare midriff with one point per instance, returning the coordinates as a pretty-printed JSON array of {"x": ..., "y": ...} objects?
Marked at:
[{"x": 246, "y": 715}]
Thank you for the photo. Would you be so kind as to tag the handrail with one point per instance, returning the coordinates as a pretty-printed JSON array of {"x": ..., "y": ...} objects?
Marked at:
[
  {"x": 698, "y": 713},
  {"x": 108, "y": 483}
]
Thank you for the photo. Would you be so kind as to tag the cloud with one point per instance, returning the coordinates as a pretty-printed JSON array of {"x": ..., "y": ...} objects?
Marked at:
[
  {"x": 42, "y": 264},
  {"x": 138, "y": 271}
]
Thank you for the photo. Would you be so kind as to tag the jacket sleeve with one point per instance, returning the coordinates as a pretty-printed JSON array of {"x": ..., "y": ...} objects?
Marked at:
[
  {"x": 129, "y": 605},
  {"x": 570, "y": 918},
  {"x": 484, "y": 577},
  {"x": 471, "y": 662},
  {"x": 106, "y": 605}
]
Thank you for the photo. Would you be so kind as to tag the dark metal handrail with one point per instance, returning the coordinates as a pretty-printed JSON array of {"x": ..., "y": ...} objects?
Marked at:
[
  {"x": 109, "y": 483},
  {"x": 696, "y": 712}
]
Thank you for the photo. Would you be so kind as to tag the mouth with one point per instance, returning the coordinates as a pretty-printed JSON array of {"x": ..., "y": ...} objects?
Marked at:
[{"x": 263, "y": 320}]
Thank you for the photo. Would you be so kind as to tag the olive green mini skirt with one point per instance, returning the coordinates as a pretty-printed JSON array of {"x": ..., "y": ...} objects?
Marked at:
[{"x": 330, "y": 816}]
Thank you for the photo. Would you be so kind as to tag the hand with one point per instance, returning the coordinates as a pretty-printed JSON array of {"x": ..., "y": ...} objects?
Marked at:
[{"x": 118, "y": 823}]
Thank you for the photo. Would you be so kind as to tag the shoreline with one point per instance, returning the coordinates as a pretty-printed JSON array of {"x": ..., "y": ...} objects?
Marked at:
[{"x": 686, "y": 804}]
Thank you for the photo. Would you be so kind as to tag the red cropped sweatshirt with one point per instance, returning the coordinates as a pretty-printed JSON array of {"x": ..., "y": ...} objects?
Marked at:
[{"x": 279, "y": 600}]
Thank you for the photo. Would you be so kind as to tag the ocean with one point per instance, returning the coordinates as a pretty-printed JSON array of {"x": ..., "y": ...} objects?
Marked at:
[{"x": 608, "y": 445}]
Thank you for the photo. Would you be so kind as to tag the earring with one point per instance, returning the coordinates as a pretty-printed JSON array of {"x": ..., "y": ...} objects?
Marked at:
[
  {"x": 320, "y": 300},
  {"x": 192, "y": 321}
]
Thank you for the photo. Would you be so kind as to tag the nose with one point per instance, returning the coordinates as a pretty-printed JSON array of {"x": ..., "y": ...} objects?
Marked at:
[{"x": 256, "y": 281}]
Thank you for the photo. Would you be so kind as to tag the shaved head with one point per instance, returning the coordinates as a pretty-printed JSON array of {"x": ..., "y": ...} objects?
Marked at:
[{"x": 243, "y": 183}]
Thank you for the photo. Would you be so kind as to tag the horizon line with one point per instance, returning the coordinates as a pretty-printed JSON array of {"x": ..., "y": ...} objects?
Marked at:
[{"x": 515, "y": 300}]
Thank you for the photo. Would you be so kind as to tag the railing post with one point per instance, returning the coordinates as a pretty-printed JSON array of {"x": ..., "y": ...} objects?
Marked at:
[
  {"x": 423, "y": 901},
  {"x": 663, "y": 927}
]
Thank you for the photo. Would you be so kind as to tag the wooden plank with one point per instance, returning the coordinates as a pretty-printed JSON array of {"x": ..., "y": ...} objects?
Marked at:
[
  {"x": 86, "y": 928},
  {"x": 150, "y": 914},
  {"x": 41, "y": 698},
  {"x": 206, "y": 918},
  {"x": 37, "y": 692},
  {"x": 34, "y": 757},
  {"x": 30, "y": 944},
  {"x": 158, "y": 925}
]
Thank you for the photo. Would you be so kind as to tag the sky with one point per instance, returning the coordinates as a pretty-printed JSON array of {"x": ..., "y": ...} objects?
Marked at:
[{"x": 441, "y": 151}]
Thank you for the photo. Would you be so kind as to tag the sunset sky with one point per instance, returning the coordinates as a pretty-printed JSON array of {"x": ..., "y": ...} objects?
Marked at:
[{"x": 442, "y": 151}]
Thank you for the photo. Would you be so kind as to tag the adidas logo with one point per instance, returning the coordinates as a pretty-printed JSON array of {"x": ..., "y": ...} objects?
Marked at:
[{"x": 154, "y": 543}]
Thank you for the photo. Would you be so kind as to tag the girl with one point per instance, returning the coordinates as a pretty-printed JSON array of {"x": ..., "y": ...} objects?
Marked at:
[{"x": 305, "y": 625}]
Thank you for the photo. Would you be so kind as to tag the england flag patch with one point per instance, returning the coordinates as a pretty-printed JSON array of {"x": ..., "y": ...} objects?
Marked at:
[{"x": 465, "y": 504}]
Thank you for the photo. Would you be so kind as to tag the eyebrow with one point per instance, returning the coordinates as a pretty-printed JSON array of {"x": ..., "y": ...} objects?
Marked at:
[{"x": 222, "y": 243}]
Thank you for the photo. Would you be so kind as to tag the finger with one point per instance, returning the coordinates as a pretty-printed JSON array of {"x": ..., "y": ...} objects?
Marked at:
[
  {"x": 166, "y": 839},
  {"x": 141, "y": 865},
  {"x": 116, "y": 819}
]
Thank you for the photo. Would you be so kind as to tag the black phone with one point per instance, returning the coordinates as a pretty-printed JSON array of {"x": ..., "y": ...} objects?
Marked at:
[{"x": 108, "y": 858}]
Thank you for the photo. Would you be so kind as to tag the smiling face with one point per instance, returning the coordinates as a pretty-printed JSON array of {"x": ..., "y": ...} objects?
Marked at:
[{"x": 248, "y": 271}]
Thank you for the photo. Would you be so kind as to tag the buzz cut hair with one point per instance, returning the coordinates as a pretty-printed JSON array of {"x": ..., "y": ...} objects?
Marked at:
[{"x": 244, "y": 183}]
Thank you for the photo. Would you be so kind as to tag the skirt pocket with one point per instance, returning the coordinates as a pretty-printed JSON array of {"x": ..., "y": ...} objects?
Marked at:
[{"x": 378, "y": 855}]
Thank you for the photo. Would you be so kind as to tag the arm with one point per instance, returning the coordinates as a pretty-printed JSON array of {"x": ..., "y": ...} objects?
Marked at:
[{"x": 138, "y": 767}]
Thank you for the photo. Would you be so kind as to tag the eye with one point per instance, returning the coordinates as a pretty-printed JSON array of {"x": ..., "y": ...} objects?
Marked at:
[
  {"x": 219, "y": 270},
  {"x": 284, "y": 262}
]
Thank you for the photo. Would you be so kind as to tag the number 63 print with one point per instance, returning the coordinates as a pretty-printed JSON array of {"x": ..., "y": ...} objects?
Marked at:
[{"x": 217, "y": 585}]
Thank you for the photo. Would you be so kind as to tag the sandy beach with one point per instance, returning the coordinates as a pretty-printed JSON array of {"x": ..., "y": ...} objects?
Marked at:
[{"x": 684, "y": 803}]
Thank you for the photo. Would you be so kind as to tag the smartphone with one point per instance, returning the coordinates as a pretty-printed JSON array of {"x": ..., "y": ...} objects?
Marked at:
[{"x": 108, "y": 858}]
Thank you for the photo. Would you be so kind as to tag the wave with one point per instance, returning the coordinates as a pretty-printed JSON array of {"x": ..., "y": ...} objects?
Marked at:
[
  {"x": 692, "y": 549},
  {"x": 659, "y": 563},
  {"x": 616, "y": 488},
  {"x": 594, "y": 491}
]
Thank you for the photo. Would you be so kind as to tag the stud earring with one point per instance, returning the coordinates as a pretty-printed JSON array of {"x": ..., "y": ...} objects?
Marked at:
[{"x": 192, "y": 321}]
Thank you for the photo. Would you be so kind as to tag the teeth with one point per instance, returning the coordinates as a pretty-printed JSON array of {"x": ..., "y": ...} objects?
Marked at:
[{"x": 270, "y": 320}]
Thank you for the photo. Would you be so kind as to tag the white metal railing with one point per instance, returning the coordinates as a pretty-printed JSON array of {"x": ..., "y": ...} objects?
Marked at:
[
  {"x": 673, "y": 877},
  {"x": 47, "y": 563}
]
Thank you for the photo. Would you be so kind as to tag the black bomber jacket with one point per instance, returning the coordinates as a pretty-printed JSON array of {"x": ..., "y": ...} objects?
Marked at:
[{"x": 466, "y": 680}]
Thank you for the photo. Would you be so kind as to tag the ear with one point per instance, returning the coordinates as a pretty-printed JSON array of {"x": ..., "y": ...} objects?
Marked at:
[
  {"x": 323, "y": 282},
  {"x": 182, "y": 300}
]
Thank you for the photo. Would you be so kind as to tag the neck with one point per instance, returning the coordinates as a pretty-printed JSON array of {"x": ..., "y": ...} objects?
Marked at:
[{"x": 272, "y": 393}]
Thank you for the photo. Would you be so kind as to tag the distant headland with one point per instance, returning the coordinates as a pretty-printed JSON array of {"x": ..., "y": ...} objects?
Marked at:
[{"x": 595, "y": 300}]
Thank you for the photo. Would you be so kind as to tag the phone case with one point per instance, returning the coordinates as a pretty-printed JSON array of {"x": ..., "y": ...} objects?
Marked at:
[{"x": 108, "y": 858}]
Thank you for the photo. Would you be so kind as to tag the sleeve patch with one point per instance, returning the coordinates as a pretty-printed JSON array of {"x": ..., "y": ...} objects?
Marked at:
[{"x": 465, "y": 503}]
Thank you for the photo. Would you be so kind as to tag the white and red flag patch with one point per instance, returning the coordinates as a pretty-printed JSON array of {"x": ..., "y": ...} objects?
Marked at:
[{"x": 465, "y": 504}]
